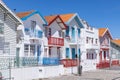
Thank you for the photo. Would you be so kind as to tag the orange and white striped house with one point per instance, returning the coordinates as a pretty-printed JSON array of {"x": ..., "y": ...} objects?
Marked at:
[{"x": 104, "y": 55}]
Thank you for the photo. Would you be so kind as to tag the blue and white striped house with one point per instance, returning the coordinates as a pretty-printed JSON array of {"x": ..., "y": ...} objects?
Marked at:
[{"x": 31, "y": 37}]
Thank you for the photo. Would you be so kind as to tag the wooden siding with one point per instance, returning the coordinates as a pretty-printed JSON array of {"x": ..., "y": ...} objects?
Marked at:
[{"x": 9, "y": 32}]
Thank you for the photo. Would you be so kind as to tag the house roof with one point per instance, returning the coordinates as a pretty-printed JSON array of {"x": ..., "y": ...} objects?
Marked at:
[
  {"x": 10, "y": 13},
  {"x": 51, "y": 19},
  {"x": 27, "y": 14},
  {"x": 103, "y": 31},
  {"x": 66, "y": 17},
  {"x": 23, "y": 14},
  {"x": 116, "y": 41}
]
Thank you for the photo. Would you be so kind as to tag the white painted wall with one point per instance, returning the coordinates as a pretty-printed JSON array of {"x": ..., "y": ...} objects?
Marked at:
[
  {"x": 89, "y": 64},
  {"x": 26, "y": 38},
  {"x": 70, "y": 70},
  {"x": 30, "y": 73},
  {"x": 68, "y": 43},
  {"x": 9, "y": 32}
]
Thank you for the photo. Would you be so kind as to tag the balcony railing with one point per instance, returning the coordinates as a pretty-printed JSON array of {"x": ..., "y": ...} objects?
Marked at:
[
  {"x": 56, "y": 41},
  {"x": 13, "y": 62},
  {"x": 69, "y": 62},
  {"x": 51, "y": 61},
  {"x": 34, "y": 34}
]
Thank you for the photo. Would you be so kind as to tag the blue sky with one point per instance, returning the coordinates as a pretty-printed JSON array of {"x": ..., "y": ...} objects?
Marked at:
[{"x": 98, "y": 13}]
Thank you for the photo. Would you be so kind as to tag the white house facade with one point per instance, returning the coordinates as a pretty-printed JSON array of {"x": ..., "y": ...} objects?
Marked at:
[
  {"x": 71, "y": 51},
  {"x": 90, "y": 47},
  {"x": 9, "y": 23},
  {"x": 8, "y": 27},
  {"x": 54, "y": 32},
  {"x": 31, "y": 37}
]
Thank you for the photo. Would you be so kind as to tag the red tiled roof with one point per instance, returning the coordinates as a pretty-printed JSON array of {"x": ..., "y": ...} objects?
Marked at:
[
  {"x": 102, "y": 31},
  {"x": 52, "y": 18},
  {"x": 49, "y": 19},
  {"x": 23, "y": 14},
  {"x": 66, "y": 17},
  {"x": 116, "y": 41}
]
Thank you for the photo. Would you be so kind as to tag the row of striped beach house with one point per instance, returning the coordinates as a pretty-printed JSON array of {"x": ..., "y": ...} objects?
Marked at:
[{"x": 33, "y": 46}]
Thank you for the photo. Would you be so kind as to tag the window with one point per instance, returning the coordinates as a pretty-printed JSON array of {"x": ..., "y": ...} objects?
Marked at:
[
  {"x": 26, "y": 49},
  {"x": 67, "y": 53},
  {"x": 78, "y": 32},
  {"x": 40, "y": 34},
  {"x": 87, "y": 39},
  {"x": 91, "y": 28},
  {"x": 67, "y": 31},
  {"x": 92, "y": 40},
  {"x": 32, "y": 50},
  {"x": 49, "y": 32},
  {"x": 91, "y": 55},
  {"x": 96, "y": 41},
  {"x": 60, "y": 33},
  {"x": 27, "y": 31},
  {"x": 33, "y": 25},
  {"x": 1, "y": 28}
]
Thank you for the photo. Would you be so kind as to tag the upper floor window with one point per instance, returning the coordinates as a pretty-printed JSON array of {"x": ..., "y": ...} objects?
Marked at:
[
  {"x": 87, "y": 39},
  {"x": 1, "y": 28},
  {"x": 27, "y": 31},
  {"x": 40, "y": 34},
  {"x": 78, "y": 32},
  {"x": 60, "y": 33},
  {"x": 96, "y": 41},
  {"x": 67, "y": 53},
  {"x": 33, "y": 25},
  {"x": 49, "y": 32},
  {"x": 67, "y": 31},
  {"x": 92, "y": 40},
  {"x": 91, "y": 28}
]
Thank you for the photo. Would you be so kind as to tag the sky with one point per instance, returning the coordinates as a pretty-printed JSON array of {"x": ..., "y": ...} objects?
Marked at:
[{"x": 98, "y": 13}]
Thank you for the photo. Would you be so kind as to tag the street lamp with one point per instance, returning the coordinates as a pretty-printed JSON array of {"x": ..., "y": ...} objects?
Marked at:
[{"x": 79, "y": 67}]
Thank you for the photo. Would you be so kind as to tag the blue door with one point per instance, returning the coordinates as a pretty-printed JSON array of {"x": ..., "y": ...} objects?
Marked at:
[
  {"x": 67, "y": 53},
  {"x": 79, "y": 54},
  {"x": 73, "y": 34},
  {"x": 73, "y": 53}
]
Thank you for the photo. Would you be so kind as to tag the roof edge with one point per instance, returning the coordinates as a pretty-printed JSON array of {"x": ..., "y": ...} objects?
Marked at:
[{"x": 33, "y": 13}]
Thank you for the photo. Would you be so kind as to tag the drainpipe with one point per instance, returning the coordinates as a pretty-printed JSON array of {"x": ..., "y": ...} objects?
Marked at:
[
  {"x": 78, "y": 59},
  {"x": 110, "y": 56}
]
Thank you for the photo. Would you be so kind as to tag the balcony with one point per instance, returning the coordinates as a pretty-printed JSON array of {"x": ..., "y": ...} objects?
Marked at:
[
  {"x": 33, "y": 33},
  {"x": 69, "y": 62},
  {"x": 56, "y": 41}
]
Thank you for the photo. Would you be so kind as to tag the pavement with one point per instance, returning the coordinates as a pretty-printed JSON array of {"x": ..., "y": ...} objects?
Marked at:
[{"x": 112, "y": 73}]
